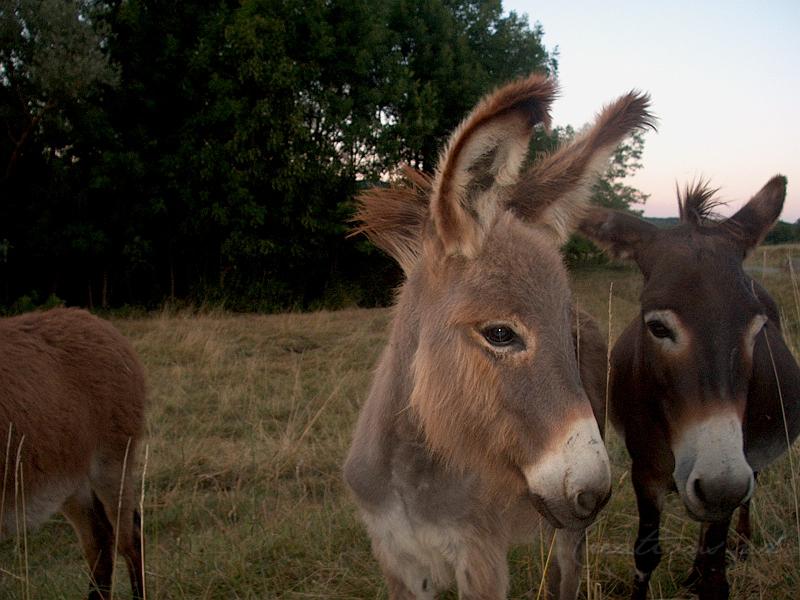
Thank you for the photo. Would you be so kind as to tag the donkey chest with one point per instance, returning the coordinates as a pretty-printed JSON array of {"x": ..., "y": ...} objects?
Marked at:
[
  {"x": 426, "y": 541},
  {"x": 423, "y": 553}
]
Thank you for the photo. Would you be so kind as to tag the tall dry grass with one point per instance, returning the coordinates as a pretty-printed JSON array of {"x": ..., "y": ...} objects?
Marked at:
[{"x": 249, "y": 422}]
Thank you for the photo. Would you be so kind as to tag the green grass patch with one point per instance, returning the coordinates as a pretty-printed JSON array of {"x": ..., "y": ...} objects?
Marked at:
[{"x": 249, "y": 423}]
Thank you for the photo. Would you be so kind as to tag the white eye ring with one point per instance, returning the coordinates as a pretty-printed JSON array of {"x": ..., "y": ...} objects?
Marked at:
[{"x": 664, "y": 328}]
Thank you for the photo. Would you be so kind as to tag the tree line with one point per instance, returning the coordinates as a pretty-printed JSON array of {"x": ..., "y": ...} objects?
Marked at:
[{"x": 212, "y": 151}]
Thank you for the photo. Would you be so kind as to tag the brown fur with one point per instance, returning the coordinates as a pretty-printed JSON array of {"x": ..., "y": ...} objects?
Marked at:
[
  {"x": 72, "y": 397},
  {"x": 438, "y": 459},
  {"x": 394, "y": 218},
  {"x": 661, "y": 393}
]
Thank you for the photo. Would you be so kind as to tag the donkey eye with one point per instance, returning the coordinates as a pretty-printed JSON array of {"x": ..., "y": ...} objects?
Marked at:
[
  {"x": 499, "y": 335},
  {"x": 659, "y": 330}
]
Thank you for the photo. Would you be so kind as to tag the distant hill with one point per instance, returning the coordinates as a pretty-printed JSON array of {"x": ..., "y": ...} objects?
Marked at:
[
  {"x": 662, "y": 222},
  {"x": 782, "y": 233}
]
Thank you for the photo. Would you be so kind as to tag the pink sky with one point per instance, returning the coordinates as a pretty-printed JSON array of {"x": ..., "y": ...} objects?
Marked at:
[{"x": 724, "y": 78}]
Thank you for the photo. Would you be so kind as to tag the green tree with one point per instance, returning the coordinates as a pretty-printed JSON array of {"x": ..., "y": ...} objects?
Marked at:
[
  {"x": 265, "y": 168},
  {"x": 452, "y": 53},
  {"x": 783, "y": 233},
  {"x": 51, "y": 54},
  {"x": 225, "y": 163},
  {"x": 611, "y": 191}
]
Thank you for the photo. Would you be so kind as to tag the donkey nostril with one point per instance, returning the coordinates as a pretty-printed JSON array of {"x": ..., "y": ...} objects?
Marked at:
[{"x": 586, "y": 503}]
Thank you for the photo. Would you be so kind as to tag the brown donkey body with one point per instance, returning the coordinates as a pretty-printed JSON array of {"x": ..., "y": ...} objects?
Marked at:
[
  {"x": 477, "y": 423},
  {"x": 72, "y": 400},
  {"x": 703, "y": 387}
]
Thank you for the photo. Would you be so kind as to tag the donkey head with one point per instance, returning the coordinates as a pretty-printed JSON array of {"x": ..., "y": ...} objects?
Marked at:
[
  {"x": 700, "y": 319},
  {"x": 493, "y": 375}
]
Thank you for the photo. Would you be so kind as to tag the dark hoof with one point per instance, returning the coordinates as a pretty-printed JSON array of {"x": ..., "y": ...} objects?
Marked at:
[
  {"x": 712, "y": 587},
  {"x": 714, "y": 593},
  {"x": 639, "y": 589}
]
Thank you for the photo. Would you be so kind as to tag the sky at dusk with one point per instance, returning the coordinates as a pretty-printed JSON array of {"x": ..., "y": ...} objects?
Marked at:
[{"x": 724, "y": 78}]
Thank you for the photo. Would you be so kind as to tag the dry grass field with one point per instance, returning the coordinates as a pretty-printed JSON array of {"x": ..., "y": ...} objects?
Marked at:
[{"x": 249, "y": 421}]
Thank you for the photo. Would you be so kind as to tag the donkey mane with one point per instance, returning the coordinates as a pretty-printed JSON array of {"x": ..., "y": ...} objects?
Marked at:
[{"x": 697, "y": 204}]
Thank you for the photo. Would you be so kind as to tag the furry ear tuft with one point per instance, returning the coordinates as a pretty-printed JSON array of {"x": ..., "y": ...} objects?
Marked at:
[{"x": 393, "y": 217}]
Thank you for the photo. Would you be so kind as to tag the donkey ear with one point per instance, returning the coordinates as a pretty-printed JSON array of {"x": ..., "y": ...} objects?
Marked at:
[
  {"x": 750, "y": 225},
  {"x": 555, "y": 191},
  {"x": 484, "y": 156},
  {"x": 621, "y": 234}
]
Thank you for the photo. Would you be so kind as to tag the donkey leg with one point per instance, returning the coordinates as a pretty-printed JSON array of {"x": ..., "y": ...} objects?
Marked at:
[
  {"x": 482, "y": 572},
  {"x": 692, "y": 581},
  {"x": 564, "y": 577},
  {"x": 406, "y": 577},
  {"x": 709, "y": 565},
  {"x": 743, "y": 532},
  {"x": 397, "y": 589},
  {"x": 85, "y": 511},
  {"x": 743, "y": 529},
  {"x": 118, "y": 500},
  {"x": 647, "y": 549},
  {"x": 133, "y": 556},
  {"x": 128, "y": 540},
  {"x": 398, "y": 586}
]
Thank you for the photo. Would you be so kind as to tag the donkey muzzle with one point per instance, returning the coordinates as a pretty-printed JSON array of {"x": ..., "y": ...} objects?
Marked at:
[
  {"x": 711, "y": 472},
  {"x": 572, "y": 482}
]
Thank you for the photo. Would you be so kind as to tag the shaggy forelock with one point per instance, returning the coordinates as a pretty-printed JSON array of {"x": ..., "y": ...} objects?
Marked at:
[{"x": 697, "y": 204}]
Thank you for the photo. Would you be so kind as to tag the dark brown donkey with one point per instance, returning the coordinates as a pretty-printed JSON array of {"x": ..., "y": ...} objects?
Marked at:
[
  {"x": 477, "y": 423},
  {"x": 703, "y": 387},
  {"x": 72, "y": 400}
]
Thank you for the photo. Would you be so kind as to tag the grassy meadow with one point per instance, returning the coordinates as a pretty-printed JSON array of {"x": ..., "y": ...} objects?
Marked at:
[{"x": 249, "y": 422}]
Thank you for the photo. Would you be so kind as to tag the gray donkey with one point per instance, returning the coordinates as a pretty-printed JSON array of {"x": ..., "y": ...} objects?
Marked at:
[{"x": 477, "y": 423}]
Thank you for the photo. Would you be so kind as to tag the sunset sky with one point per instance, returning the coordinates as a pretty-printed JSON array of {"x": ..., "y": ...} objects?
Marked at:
[{"x": 724, "y": 78}]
